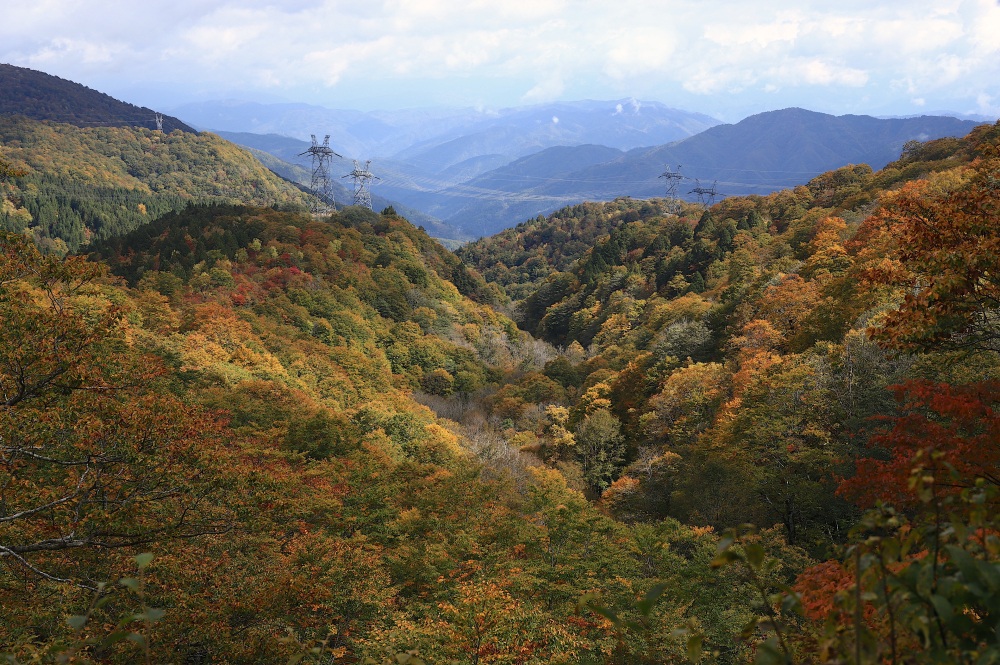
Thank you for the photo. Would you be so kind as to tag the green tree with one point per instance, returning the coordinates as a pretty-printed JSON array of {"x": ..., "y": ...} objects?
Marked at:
[{"x": 601, "y": 447}]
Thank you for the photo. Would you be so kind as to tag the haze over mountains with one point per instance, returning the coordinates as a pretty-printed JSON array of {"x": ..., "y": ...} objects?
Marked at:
[
  {"x": 425, "y": 156},
  {"x": 480, "y": 172},
  {"x": 442, "y": 137},
  {"x": 758, "y": 155}
]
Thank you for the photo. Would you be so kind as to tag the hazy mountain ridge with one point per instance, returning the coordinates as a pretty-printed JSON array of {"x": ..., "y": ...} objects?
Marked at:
[
  {"x": 518, "y": 132},
  {"x": 352, "y": 133},
  {"x": 441, "y": 137}
]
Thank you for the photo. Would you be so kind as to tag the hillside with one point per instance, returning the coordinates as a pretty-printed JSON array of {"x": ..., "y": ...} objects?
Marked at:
[
  {"x": 747, "y": 351},
  {"x": 41, "y": 96},
  {"x": 78, "y": 184},
  {"x": 824, "y": 359},
  {"x": 522, "y": 258}
]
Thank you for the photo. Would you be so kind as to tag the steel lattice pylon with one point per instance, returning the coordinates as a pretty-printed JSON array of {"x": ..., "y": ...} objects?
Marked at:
[
  {"x": 362, "y": 178},
  {"x": 706, "y": 195},
  {"x": 673, "y": 177},
  {"x": 320, "y": 183}
]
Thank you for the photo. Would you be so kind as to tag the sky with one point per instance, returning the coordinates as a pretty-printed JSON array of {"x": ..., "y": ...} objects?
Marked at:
[{"x": 725, "y": 58}]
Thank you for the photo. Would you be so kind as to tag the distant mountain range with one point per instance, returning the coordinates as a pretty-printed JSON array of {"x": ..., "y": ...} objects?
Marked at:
[
  {"x": 426, "y": 158},
  {"x": 481, "y": 174},
  {"x": 759, "y": 155},
  {"x": 436, "y": 139},
  {"x": 764, "y": 152},
  {"x": 41, "y": 96}
]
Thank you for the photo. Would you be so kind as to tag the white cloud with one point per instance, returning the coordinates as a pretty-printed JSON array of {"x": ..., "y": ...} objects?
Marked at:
[
  {"x": 935, "y": 50},
  {"x": 637, "y": 51},
  {"x": 547, "y": 90},
  {"x": 985, "y": 27},
  {"x": 818, "y": 72},
  {"x": 987, "y": 105},
  {"x": 81, "y": 51},
  {"x": 785, "y": 29},
  {"x": 913, "y": 35}
]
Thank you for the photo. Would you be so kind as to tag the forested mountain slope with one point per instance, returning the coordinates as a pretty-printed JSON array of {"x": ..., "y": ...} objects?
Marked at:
[
  {"x": 41, "y": 96},
  {"x": 72, "y": 185},
  {"x": 790, "y": 360},
  {"x": 520, "y": 259}
]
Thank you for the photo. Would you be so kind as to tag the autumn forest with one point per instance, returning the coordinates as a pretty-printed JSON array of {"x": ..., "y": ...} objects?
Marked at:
[{"x": 234, "y": 431}]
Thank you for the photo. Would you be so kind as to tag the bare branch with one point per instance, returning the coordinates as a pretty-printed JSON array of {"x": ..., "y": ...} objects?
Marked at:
[{"x": 5, "y": 551}]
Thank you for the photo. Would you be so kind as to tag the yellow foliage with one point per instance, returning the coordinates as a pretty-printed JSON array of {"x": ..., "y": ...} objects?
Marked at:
[
  {"x": 596, "y": 397},
  {"x": 440, "y": 438}
]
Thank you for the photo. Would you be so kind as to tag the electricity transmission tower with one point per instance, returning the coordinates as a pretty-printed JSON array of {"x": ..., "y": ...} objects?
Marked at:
[
  {"x": 673, "y": 177},
  {"x": 159, "y": 122},
  {"x": 320, "y": 183},
  {"x": 706, "y": 195},
  {"x": 362, "y": 177}
]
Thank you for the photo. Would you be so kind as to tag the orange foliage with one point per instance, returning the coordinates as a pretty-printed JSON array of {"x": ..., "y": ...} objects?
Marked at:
[
  {"x": 949, "y": 432},
  {"x": 819, "y": 584},
  {"x": 946, "y": 258}
]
